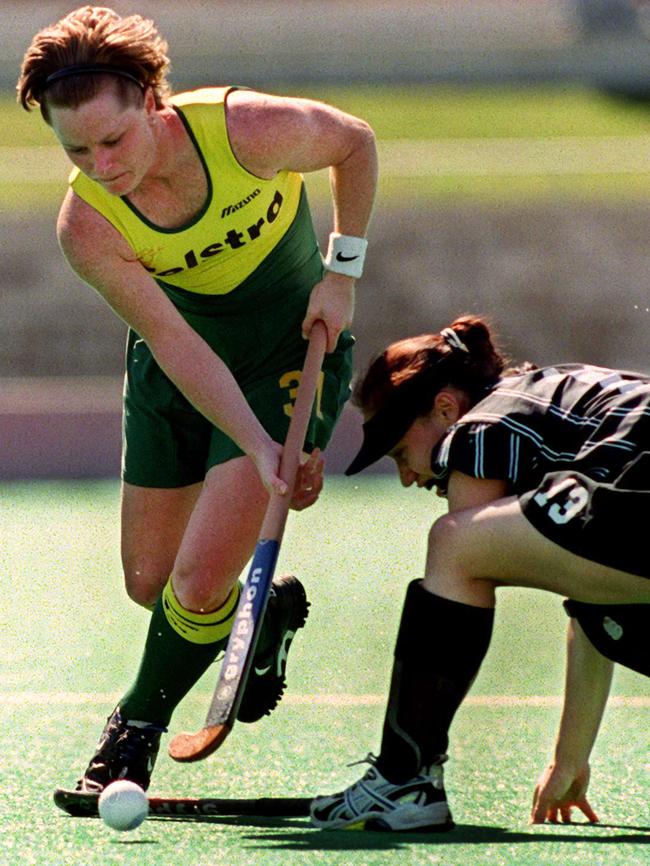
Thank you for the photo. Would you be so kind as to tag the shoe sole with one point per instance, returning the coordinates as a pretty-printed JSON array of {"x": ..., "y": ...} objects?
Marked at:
[
  {"x": 299, "y": 603},
  {"x": 440, "y": 821},
  {"x": 378, "y": 825}
]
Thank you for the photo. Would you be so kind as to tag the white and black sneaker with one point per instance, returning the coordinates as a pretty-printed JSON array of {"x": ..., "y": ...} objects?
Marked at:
[
  {"x": 374, "y": 803},
  {"x": 286, "y": 612},
  {"x": 126, "y": 750}
]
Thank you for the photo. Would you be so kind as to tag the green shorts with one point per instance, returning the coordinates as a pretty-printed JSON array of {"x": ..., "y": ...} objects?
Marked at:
[{"x": 256, "y": 331}]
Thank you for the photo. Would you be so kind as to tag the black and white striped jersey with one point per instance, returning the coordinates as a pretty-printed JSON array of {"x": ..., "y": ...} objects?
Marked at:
[{"x": 586, "y": 418}]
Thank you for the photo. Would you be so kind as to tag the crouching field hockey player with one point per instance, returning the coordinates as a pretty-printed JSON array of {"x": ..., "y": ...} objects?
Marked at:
[
  {"x": 547, "y": 476},
  {"x": 188, "y": 214}
]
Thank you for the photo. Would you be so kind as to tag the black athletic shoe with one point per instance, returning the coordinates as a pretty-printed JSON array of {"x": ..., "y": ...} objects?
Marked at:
[
  {"x": 126, "y": 750},
  {"x": 286, "y": 612}
]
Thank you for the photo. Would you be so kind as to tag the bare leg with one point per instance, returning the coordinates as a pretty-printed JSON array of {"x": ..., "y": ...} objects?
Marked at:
[
  {"x": 472, "y": 551},
  {"x": 220, "y": 535},
  {"x": 204, "y": 534},
  {"x": 153, "y": 523}
]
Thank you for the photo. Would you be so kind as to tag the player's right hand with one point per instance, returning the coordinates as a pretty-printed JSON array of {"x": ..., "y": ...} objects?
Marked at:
[{"x": 558, "y": 791}]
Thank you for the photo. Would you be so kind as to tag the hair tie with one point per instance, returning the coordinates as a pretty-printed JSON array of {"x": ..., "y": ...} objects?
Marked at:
[
  {"x": 90, "y": 69},
  {"x": 452, "y": 339}
]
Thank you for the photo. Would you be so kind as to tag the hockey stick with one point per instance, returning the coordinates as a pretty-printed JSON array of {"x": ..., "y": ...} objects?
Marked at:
[
  {"x": 83, "y": 805},
  {"x": 255, "y": 592}
]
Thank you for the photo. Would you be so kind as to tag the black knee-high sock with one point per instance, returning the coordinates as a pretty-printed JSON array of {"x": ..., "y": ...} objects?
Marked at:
[{"x": 439, "y": 649}]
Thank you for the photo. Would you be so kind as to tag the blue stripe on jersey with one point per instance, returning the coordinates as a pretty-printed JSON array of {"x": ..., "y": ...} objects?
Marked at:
[
  {"x": 582, "y": 420},
  {"x": 514, "y": 458},
  {"x": 480, "y": 447},
  {"x": 528, "y": 433}
]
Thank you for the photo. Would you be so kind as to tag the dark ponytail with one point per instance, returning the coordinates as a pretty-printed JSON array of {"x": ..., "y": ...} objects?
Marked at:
[
  {"x": 463, "y": 355},
  {"x": 483, "y": 363}
]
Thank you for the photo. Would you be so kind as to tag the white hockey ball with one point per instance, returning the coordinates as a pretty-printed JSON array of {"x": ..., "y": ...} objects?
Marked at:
[{"x": 123, "y": 805}]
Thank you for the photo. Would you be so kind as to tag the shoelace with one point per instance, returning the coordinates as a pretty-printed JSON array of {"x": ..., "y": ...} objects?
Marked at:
[
  {"x": 372, "y": 759},
  {"x": 369, "y": 759},
  {"x": 126, "y": 745}
]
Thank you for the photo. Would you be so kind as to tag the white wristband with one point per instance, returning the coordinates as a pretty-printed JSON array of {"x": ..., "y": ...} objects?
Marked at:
[{"x": 345, "y": 255}]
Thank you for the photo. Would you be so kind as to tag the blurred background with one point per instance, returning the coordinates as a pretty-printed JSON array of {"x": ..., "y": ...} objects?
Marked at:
[{"x": 514, "y": 141}]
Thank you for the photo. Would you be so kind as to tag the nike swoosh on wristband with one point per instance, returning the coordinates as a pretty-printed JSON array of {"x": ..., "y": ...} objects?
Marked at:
[{"x": 341, "y": 258}]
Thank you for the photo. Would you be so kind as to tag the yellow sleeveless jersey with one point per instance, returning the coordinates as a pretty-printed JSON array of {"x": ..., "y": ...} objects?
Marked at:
[{"x": 243, "y": 219}]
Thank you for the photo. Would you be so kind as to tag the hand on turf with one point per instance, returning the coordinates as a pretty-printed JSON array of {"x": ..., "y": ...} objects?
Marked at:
[
  {"x": 331, "y": 300},
  {"x": 309, "y": 481},
  {"x": 558, "y": 791}
]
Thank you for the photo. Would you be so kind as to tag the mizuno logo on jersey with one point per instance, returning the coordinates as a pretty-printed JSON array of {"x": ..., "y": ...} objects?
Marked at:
[
  {"x": 233, "y": 239},
  {"x": 231, "y": 208}
]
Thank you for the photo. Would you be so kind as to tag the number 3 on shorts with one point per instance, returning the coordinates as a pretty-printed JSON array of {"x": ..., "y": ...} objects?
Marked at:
[
  {"x": 289, "y": 382},
  {"x": 575, "y": 497}
]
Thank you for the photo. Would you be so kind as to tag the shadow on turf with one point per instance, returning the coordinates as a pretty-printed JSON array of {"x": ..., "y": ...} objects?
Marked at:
[
  {"x": 134, "y": 843},
  {"x": 300, "y": 836},
  {"x": 465, "y": 834},
  {"x": 628, "y": 827}
]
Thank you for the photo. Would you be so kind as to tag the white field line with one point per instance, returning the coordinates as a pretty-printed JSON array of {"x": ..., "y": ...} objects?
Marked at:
[
  {"x": 479, "y": 157},
  {"x": 506, "y": 157},
  {"x": 19, "y": 699}
]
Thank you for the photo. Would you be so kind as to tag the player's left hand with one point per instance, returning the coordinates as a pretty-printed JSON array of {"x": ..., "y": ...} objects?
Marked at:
[
  {"x": 309, "y": 481},
  {"x": 331, "y": 300},
  {"x": 558, "y": 791}
]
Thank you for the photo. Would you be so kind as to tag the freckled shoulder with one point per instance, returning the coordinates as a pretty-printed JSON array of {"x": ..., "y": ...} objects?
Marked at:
[
  {"x": 81, "y": 229},
  {"x": 259, "y": 124}
]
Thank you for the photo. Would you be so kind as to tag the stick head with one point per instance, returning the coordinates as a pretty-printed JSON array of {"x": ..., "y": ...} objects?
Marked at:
[{"x": 194, "y": 747}]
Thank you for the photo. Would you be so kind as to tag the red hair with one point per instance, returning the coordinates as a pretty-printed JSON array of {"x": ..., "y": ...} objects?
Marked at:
[{"x": 93, "y": 34}]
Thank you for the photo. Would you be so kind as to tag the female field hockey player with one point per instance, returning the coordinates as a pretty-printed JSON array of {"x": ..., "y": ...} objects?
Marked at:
[
  {"x": 547, "y": 476},
  {"x": 188, "y": 214}
]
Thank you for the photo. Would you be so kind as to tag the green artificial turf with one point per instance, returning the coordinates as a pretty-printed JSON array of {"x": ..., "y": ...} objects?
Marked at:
[{"x": 70, "y": 641}]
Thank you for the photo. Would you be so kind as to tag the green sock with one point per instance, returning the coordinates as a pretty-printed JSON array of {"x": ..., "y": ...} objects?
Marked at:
[{"x": 179, "y": 648}]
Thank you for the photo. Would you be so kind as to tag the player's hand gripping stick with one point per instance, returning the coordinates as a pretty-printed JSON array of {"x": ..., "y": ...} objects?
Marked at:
[{"x": 255, "y": 592}]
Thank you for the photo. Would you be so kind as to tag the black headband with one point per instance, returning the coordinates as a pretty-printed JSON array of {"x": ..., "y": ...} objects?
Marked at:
[
  {"x": 90, "y": 69},
  {"x": 382, "y": 432},
  {"x": 388, "y": 425}
]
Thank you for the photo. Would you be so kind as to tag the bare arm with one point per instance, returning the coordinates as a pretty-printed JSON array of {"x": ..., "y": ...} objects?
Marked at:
[
  {"x": 101, "y": 257},
  {"x": 464, "y": 491},
  {"x": 272, "y": 133},
  {"x": 563, "y": 785}
]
